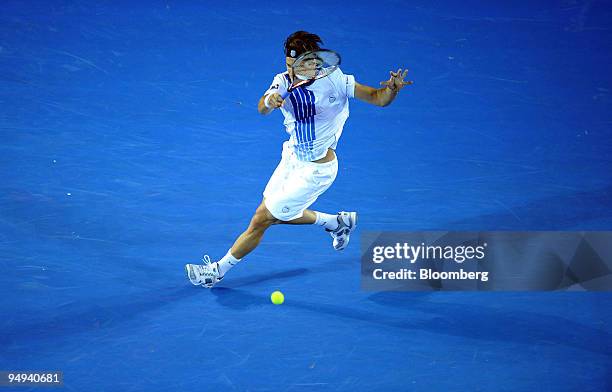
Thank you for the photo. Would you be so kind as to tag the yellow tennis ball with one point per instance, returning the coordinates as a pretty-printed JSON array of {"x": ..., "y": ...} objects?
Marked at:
[{"x": 277, "y": 298}]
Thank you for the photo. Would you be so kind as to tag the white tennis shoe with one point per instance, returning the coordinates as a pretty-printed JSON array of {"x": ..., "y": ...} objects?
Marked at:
[
  {"x": 205, "y": 274},
  {"x": 347, "y": 222}
]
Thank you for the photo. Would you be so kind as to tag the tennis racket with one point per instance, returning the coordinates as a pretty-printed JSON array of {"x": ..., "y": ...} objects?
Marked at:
[{"x": 311, "y": 66}]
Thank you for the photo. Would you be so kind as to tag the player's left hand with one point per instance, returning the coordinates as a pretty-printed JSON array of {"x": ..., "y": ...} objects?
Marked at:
[{"x": 396, "y": 80}]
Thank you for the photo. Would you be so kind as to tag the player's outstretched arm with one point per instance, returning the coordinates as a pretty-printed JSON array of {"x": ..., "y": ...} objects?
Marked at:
[
  {"x": 385, "y": 95},
  {"x": 269, "y": 102}
]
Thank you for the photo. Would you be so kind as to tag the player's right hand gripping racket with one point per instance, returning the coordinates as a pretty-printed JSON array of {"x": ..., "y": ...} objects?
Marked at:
[{"x": 313, "y": 65}]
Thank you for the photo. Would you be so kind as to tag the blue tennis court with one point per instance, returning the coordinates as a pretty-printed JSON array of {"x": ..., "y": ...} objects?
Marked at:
[{"x": 130, "y": 145}]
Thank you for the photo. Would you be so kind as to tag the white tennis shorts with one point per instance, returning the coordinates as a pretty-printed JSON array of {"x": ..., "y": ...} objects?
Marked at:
[{"x": 296, "y": 184}]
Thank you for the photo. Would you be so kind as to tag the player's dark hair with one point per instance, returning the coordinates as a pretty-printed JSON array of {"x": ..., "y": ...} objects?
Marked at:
[{"x": 301, "y": 42}]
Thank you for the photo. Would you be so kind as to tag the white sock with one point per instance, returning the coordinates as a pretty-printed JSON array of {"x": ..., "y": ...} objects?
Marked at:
[
  {"x": 330, "y": 222},
  {"x": 227, "y": 262}
]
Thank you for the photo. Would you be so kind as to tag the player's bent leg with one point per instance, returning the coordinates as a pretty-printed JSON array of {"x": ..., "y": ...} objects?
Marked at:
[
  {"x": 208, "y": 273},
  {"x": 339, "y": 225},
  {"x": 247, "y": 241},
  {"x": 291, "y": 205},
  {"x": 309, "y": 217}
]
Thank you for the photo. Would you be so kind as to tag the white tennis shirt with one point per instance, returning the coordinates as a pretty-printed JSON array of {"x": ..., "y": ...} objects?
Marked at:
[{"x": 315, "y": 114}]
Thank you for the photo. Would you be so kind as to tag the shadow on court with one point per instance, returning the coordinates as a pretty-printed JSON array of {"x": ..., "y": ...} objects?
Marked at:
[
  {"x": 260, "y": 278},
  {"x": 81, "y": 317}
]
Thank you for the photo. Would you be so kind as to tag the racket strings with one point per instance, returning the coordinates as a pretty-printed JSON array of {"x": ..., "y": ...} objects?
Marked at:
[{"x": 316, "y": 65}]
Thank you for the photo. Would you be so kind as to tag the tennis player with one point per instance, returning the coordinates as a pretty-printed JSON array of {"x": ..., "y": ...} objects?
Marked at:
[{"x": 314, "y": 114}]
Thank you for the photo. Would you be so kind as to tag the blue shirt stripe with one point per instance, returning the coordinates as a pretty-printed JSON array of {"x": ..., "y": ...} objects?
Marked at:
[{"x": 304, "y": 111}]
